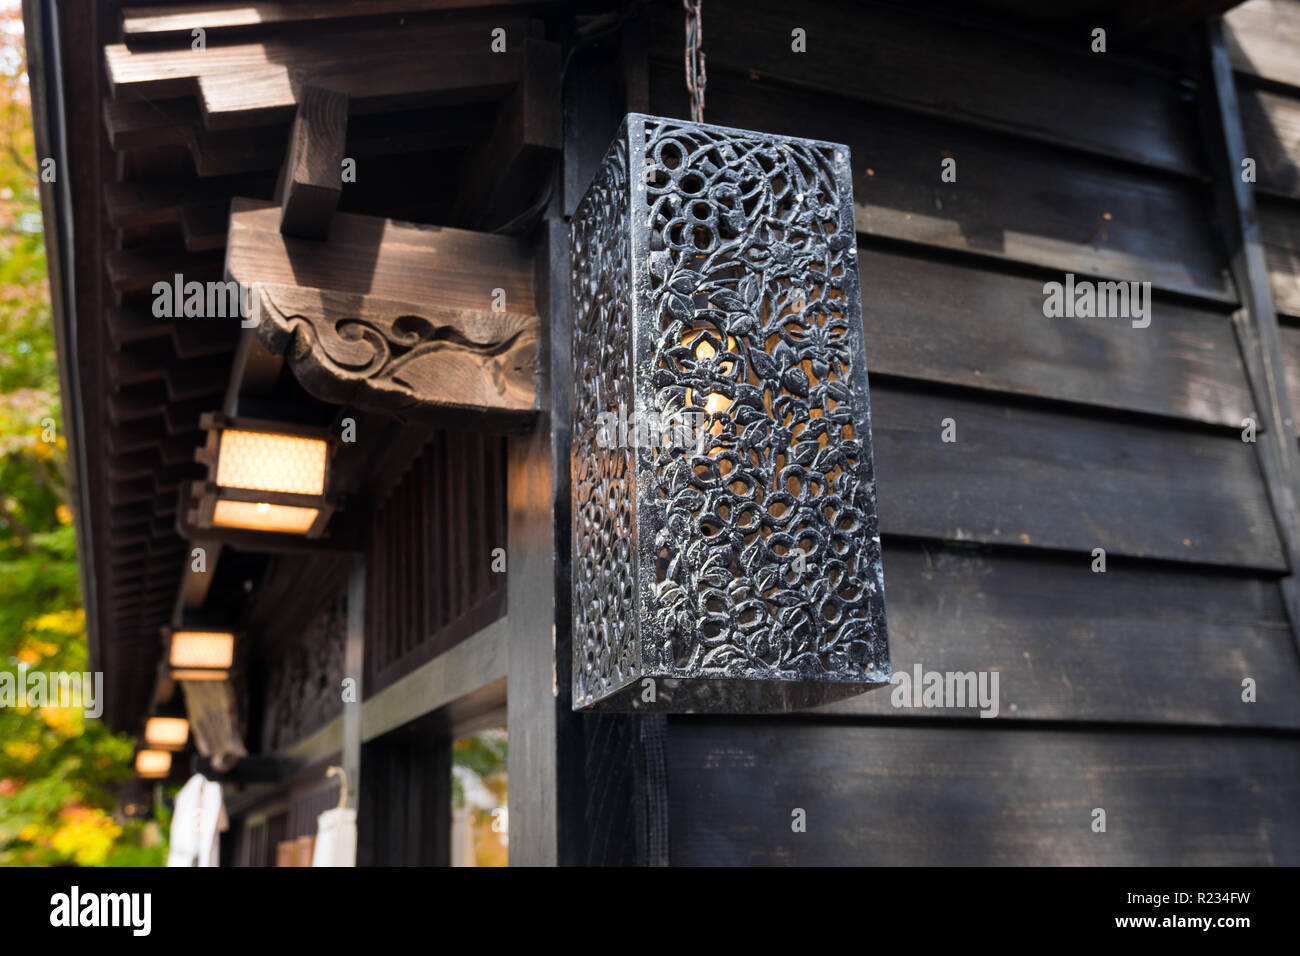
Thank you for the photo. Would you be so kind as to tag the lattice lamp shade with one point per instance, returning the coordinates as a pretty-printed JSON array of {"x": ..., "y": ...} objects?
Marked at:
[
  {"x": 263, "y": 476},
  {"x": 200, "y": 655},
  {"x": 153, "y": 764},
  {"x": 167, "y": 733},
  {"x": 726, "y": 553}
]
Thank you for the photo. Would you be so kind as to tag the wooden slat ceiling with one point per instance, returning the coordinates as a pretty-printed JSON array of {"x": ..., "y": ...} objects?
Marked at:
[{"x": 184, "y": 132}]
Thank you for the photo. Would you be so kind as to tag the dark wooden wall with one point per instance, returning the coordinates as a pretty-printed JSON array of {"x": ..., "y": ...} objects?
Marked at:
[
  {"x": 256, "y": 843},
  {"x": 430, "y": 581},
  {"x": 404, "y": 816},
  {"x": 1120, "y": 690}
]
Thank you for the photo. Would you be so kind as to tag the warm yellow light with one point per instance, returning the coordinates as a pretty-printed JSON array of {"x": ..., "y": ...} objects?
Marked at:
[
  {"x": 260, "y": 516},
  {"x": 199, "y": 674},
  {"x": 166, "y": 731},
  {"x": 206, "y": 649},
  {"x": 714, "y": 402},
  {"x": 263, "y": 461},
  {"x": 153, "y": 763}
]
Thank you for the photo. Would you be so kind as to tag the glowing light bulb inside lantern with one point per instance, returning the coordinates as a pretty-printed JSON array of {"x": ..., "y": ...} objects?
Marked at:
[{"x": 714, "y": 402}]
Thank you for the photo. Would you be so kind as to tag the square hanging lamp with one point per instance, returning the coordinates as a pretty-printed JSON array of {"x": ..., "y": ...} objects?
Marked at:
[
  {"x": 264, "y": 476},
  {"x": 153, "y": 764},
  {"x": 726, "y": 552},
  {"x": 166, "y": 733},
  {"x": 204, "y": 655}
]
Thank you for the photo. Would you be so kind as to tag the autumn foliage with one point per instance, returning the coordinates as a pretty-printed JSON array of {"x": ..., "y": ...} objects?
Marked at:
[{"x": 57, "y": 767}]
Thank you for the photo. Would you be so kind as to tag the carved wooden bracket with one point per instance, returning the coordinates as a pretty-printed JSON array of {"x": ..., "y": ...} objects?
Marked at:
[
  {"x": 395, "y": 317},
  {"x": 214, "y": 721},
  {"x": 386, "y": 355}
]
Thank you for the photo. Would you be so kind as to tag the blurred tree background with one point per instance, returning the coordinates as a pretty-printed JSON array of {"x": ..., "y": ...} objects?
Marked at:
[
  {"x": 479, "y": 790},
  {"x": 56, "y": 766}
]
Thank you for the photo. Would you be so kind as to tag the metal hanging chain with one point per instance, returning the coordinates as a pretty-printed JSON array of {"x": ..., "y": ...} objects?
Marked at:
[{"x": 696, "y": 79}]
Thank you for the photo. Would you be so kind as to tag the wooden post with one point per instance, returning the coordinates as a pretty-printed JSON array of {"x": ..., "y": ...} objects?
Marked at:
[
  {"x": 545, "y": 760},
  {"x": 530, "y": 611}
]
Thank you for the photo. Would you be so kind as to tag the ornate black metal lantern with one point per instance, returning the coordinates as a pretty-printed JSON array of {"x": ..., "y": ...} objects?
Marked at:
[{"x": 726, "y": 553}]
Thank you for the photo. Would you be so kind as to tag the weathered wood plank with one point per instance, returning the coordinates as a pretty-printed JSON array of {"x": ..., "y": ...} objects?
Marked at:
[
  {"x": 253, "y": 84},
  {"x": 1271, "y": 123},
  {"x": 377, "y": 83},
  {"x": 926, "y": 63},
  {"x": 1279, "y": 226},
  {"x": 311, "y": 179},
  {"x": 1262, "y": 38},
  {"x": 168, "y": 22},
  {"x": 160, "y": 74},
  {"x": 148, "y": 124},
  {"x": 1031, "y": 204},
  {"x": 1290, "y": 338},
  {"x": 917, "y": 795},
  {"x": 415, "y": 559},
  {"x": 384, "y": 258},
  {"x": 1054, "y": 480},
  {"x": 943, "y": 322},
  {"x": 1137, "y": 643}
]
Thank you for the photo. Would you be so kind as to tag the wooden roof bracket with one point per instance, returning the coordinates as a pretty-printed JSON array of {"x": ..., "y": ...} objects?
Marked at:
[
  {"x": 431, "y": 324},
  {"x": 311, "y": 179}
]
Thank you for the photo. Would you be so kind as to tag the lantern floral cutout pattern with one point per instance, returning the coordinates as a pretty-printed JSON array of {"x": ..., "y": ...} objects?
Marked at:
[{"x": 756, "y": 582}]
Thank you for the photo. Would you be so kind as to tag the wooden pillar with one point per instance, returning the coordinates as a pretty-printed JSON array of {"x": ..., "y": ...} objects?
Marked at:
[{"x": 545, "y": 763}]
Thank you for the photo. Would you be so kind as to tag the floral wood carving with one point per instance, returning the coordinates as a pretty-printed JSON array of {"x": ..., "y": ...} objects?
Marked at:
[{"x": 385, "y": 355}]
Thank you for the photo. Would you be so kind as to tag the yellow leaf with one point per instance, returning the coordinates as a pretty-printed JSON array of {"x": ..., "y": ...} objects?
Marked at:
[{"x": 22, "y": 751}]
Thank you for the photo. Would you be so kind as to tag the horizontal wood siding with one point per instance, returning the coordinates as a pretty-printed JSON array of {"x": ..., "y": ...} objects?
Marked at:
[
  {"x": 1026, "y": 202},
  {"x": 1033, "y": 476},
  {"x": 926, "y": 64},
  {"x": 1142, "y": 643},
  {"x": 967, "y": 795},
  {"x": 1119, "y": 690},
  {"x": 1262, "y": 37},
  {"x": 953, "y": 321}
]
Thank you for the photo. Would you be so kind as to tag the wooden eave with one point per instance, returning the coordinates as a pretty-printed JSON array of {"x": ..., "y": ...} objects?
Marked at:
[{"x": 160, "y": 140}]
